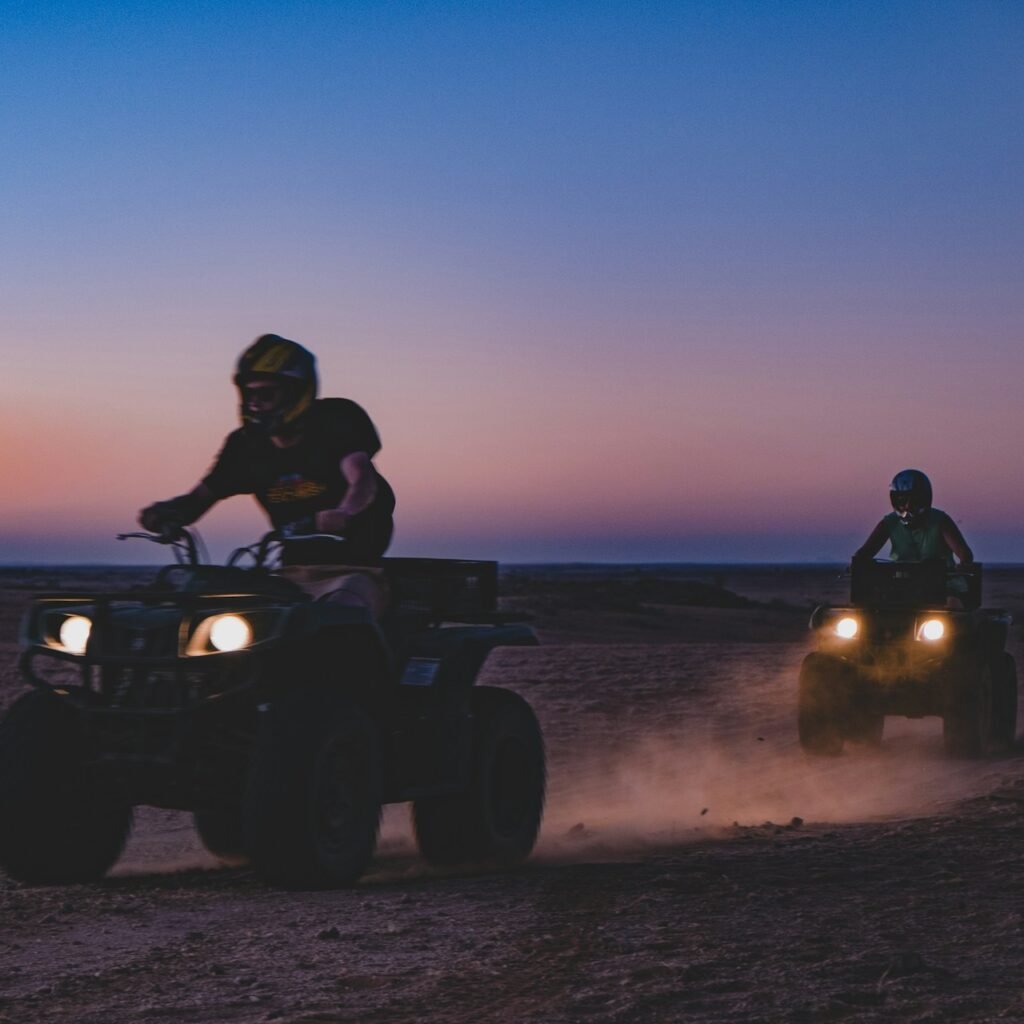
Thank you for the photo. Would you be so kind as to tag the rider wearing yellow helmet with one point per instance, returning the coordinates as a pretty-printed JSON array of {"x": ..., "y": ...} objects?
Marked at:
[{"x": 307, "y": 461}]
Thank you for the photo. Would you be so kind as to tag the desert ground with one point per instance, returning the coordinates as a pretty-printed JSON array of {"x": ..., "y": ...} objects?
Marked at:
[{"x": 693, "y": 864}]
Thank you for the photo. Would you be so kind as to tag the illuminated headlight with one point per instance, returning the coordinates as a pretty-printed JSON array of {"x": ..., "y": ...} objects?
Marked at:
[
  {"x": 931, "y": 629},
  {"x": 74, "y": 633},
  {"x": 222, "y": 632},
  {"x": 230, "y": 633},
  {"x": 847, "y": 628}
]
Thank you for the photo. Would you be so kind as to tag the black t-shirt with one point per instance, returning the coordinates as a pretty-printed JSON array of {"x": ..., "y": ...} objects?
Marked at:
[{"x": 294, "y": 483}]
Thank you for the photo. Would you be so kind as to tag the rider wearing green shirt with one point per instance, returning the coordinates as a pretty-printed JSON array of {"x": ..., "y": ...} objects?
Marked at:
[{"x": 916, "y": 531}]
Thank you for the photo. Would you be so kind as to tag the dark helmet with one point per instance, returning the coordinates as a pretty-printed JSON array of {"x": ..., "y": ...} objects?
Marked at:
[
  {"x": 287, "y": 364},
  {"x": 911, "y": 495}
]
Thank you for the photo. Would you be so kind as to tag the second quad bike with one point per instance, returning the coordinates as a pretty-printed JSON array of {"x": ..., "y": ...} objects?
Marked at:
[
  {"x": 915, "y": 641},
  {"x": 283, "y": 723}
]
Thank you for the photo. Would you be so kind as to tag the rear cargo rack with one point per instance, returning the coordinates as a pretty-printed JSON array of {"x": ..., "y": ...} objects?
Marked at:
[{"x": 444, "y": 589}]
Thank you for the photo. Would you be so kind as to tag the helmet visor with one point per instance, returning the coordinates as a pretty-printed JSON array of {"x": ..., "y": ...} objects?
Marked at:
[{"x": 262, "y": 395}]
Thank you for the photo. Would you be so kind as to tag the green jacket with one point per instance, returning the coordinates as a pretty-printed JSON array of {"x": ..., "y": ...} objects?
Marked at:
[{"x": 921, "y": 542}]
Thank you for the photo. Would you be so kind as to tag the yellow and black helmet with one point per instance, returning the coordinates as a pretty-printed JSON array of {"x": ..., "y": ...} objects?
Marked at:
[{"x": 286, "y": 364}]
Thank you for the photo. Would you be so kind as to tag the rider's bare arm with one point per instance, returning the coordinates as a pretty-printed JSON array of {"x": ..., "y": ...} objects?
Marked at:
[
  {"x": 180, "y": 511},
  {"x": 871, "y": 547},
  {"x": 362, "y": 489},
  {"x": 955, "y": 539}
]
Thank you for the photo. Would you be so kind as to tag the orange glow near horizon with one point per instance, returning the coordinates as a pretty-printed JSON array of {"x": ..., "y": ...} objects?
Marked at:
[{"x": 543, "y": 449}]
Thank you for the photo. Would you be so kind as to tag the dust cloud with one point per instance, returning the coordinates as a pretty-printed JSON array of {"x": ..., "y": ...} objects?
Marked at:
[
  {"x": 671, "y": 790},
  {"x": 720, "y": 752}
]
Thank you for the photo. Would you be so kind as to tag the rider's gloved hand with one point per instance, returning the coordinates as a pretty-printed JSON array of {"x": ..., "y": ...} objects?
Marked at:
[
  {"x": 158, "y": 518},
  {"x": 168, "y": 517}
]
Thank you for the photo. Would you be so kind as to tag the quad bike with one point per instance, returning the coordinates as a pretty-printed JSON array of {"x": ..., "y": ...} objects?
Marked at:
[
  {"x": 283, "y": 723},
  {"x": 913, "y": 641}
]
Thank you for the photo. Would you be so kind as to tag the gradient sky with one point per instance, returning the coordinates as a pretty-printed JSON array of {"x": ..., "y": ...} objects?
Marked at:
[{"x": 616, "y": 281}]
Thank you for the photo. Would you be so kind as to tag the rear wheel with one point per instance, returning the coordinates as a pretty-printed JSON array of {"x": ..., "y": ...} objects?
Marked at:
[
  {"x": 967, "y": 726},
  {"x": 495, "y": 820},
  {"x": 312, "y": 805},
  {"x": 55, "y": 827},
  {"x": 819, "y": 722},
  {"x": 1004, "y": 699}
]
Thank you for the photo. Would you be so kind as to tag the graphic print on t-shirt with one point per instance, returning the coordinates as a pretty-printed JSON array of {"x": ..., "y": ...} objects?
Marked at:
[{"x": 292, "y": 487}]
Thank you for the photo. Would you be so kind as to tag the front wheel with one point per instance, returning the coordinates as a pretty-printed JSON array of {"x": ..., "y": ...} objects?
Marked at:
[
  {"x": 819, "y": 723},
  {"x": 497, "y": 818},
  {"x": 220, "y": 830},
  {"x": 313, "y": 799},
  {"x": 863, "y": 725},
  {"x": 56, "y": 827}
]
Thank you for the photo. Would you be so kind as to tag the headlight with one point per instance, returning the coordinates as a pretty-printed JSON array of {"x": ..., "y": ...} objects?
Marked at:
[
  {"x": 74, "y": 633},
  {"x": 223, "y": 632},
  {"x": 59, "y": 625},
  {"x": 230, "y": 633},
  {"x": 931, "y": 629},
  {"x": 847, "y": 628}
]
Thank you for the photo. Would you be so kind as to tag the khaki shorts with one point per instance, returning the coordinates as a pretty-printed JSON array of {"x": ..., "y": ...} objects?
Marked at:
[{"x": 357, "y": 585}]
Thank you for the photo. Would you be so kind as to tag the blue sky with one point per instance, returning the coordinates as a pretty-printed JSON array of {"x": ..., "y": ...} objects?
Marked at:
[{"x": 615, "y": 280}]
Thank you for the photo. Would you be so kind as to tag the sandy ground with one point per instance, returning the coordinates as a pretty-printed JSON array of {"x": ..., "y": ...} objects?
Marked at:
[{"x": 693, "y": 865}]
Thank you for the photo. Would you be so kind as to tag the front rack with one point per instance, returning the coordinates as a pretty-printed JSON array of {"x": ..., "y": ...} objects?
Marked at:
[{"x": 914, "y": 584}]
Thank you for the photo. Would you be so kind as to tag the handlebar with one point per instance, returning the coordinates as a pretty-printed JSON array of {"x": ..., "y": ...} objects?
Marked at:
[
  {"x": 261, "y": 550},
  {"x": 187, "y": 545},
  {"x": 923, "y": 565},
  {"x": 189, "y": 548}
]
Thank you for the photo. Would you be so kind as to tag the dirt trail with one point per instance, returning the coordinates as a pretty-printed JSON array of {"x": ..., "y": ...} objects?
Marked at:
[{"x": 693, "y": 866}]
